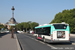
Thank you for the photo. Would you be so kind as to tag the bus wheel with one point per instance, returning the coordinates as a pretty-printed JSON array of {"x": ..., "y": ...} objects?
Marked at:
[
  {"x": 36, "y": 37},
  {"x": 44, "y": 39}
]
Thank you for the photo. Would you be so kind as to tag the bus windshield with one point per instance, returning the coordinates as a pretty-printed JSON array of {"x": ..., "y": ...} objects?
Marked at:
[{"x": 60, "y": 26}]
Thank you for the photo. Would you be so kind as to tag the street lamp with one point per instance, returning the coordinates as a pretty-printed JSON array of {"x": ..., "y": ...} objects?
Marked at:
[
  {"x": 12, "y": 32},
  {"x": 13, "y": 11}
]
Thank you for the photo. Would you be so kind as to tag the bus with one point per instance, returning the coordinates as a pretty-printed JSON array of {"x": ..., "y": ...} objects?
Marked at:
[{"x": 56, "y": 32}]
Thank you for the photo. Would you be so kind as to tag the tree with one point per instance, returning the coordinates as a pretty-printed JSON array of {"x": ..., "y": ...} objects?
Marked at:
[
  {"x": 26, "y": 25},
  {"x": 29, "y": 22},
  {"x": 5, "y": 27},
  {"x": 19, "y": 26},
  {"x": 1, "y": 26},
  {"x": 33, "y": 24},
  {"x": 67, "y": 16}
]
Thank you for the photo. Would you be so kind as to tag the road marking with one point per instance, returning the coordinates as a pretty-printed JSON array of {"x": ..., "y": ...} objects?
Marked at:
[
  {"x": 42, "y": 42},
  {"x": 35, "y": 40},
  {"x": 73, "y": 43},
  {"x": 51, "y": 46}
]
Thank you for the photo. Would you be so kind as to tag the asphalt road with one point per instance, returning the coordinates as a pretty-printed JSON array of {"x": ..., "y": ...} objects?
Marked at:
[{"x": 28, "y": 42}]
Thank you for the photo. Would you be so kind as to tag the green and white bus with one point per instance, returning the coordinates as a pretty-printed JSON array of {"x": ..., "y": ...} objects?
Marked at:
[{"x": 57, "y": 32}]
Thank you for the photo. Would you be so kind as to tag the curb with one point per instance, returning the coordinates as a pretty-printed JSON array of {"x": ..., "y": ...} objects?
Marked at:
[
  {"x": 17, "y": 43},
  {"x": 72, "y": 35}
]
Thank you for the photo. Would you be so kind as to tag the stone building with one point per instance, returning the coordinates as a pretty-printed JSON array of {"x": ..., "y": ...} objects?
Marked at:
[{"x": 11, "y": 21}]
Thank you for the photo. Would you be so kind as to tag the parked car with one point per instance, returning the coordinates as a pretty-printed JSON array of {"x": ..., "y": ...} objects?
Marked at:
[{"x": 20, "y": 31}]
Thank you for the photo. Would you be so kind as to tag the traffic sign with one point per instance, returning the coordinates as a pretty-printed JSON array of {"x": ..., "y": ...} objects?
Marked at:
[{"x": 12, "y": 24}]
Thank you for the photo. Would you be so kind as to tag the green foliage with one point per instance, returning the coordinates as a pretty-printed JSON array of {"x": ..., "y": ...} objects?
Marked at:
[
  {"x": 5, "y": 27},
  {"x": 26, "y": 25},
  {"x": 67, "y": 16},
  {"x": 33, "y": 24},
  {"x": 1, "y": 26},
  {"x": 19, "y": 26}
]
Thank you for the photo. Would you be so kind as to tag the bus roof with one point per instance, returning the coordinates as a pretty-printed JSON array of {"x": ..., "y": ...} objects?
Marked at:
[
  {"x": 41, "y": 26},
  {"x": 59, "y": 23},
  {"x": 48, "y": 25}
]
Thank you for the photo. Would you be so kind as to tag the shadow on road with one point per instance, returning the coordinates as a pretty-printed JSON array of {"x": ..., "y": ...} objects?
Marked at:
[
  {"x": 64, "y": 43},
  {"x": 68, "y": 43},
  {"x": 60, "y": 43},
  {"x": 3, "y": 34},
  {"x": 57, "y": 43},
  {"x": 18, "y": 33}
]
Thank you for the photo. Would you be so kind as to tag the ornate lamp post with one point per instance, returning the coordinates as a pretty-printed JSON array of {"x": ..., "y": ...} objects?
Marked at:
[
  {"x": 13, "y": 11},
  {"x": 12, "y": 32}
]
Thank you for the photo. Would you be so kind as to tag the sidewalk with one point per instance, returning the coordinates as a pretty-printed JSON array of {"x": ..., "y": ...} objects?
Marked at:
[{"x": 7, "y": 43}]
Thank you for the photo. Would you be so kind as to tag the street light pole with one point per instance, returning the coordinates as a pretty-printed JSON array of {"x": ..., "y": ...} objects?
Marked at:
[
  {"x": 13, "y": 11},
  {"x": 12, "y": 32}
]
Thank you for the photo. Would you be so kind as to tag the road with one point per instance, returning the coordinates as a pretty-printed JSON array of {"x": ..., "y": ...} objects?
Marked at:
[{"x": 28, "y": 42}]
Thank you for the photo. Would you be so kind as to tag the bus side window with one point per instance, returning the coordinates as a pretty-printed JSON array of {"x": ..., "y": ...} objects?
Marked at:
[
  {"x": 47, "y": 31},
  {"x": 50, "y": 31}
]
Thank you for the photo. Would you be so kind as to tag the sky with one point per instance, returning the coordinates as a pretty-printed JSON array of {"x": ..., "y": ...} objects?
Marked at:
[{"x": 40, "y": 11}]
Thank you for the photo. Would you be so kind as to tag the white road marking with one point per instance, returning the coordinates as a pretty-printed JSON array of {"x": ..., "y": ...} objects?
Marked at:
[
  {"x": 35, "y": 40},
  {"x": 51, "y": 46},
  {"x": 42, "y": 42},
  {"x": 73, "y": 43}
]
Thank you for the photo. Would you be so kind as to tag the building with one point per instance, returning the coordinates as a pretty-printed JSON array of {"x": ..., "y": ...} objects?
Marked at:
[{"x": 11, "y": 21}]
